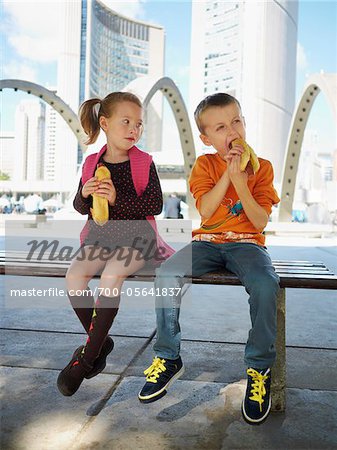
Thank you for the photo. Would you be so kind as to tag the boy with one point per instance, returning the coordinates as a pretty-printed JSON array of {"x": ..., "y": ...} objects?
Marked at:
[{"x": 234, "y": 206}]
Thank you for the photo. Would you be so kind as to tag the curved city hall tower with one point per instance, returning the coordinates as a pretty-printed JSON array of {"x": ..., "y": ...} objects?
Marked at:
[
  {"x": 248, "y": 49},
  {"x": 101, "y": 51}
]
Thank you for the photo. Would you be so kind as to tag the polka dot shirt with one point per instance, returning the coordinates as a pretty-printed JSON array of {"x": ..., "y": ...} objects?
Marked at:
[{"x": 127, "y": 225}]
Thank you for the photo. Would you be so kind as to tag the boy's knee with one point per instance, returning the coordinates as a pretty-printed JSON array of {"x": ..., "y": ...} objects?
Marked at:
[
  {"x": 265, "y": 282},
  {"x": 168, "y": 269}
]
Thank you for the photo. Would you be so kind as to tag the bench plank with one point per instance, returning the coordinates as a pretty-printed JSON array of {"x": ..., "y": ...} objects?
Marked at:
[{"x": 293, "y": 274}]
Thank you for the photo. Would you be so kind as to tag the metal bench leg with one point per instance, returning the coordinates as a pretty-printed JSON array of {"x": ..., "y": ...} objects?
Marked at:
[{"x": 279, "y": 368}]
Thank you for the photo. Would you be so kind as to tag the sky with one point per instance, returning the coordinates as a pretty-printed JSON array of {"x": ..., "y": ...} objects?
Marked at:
[{"x": 30, "y": 45}]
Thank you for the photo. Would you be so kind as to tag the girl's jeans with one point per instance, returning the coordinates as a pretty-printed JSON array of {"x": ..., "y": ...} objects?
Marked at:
[{"x": 252, "y": 265}]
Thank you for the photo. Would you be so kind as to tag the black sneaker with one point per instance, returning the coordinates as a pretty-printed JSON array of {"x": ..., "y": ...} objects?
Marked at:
[
  {"x": 257, "y": 402},
  {"x": 100, "y": 361},
  {"x": 71, "y": 377},
  {"x": 159, "y": 376}
]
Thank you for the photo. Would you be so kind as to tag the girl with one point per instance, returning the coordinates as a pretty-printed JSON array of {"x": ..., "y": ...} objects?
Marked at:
[{"x": 124, "y": 244}]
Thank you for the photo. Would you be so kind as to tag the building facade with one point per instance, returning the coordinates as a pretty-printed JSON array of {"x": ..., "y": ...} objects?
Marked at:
[
  {"x": 29, "y": 144},
  {"x": 50, "y": 153},
  {"x": 102, "y": 51},
  {"x": 120, "y": 50},
  {"x": 248, "y": 49},
  {"x": 7, "y": 150}
]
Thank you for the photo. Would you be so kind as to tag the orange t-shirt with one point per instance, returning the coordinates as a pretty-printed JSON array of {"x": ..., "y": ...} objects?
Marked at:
[{"x": 229, "y": 222}]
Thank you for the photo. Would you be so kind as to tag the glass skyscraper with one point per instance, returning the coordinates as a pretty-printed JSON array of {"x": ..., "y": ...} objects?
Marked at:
[
  {"x": 103, "y": 51},
  {"x": 119, "y": 50},
  {"x": 248, "y": 49}
]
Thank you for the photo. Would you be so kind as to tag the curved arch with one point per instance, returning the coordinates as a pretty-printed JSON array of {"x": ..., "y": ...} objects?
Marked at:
[
  {"x": 54, "y": 101},
  {"x": 327, "y": 83},
  {"x": 145, "y": 88}
]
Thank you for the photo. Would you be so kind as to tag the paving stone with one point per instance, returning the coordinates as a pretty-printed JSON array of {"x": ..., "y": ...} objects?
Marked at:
[
  {"x": 54, "y": 350},
  {"x": 199, "y": 415},
  {"x": 34, "y": 415}
]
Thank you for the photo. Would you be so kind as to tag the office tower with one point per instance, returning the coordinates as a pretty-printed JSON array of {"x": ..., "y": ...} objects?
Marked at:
[
  {"x": 248, "y": 49},
  {"x": 334, "y": 165},
  {"x": 7, "y": 152},
  {"x": 50, "y": 144},
  {"x": 103, "y": 51},
  {"x": 29, "y": 140}
]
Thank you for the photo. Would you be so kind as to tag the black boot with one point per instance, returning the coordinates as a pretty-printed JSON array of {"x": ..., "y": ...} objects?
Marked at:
[
  {"x": 71, "y": 377},
  {"x": 83, "y": 305},
  {"x": 105, "y": 311}
]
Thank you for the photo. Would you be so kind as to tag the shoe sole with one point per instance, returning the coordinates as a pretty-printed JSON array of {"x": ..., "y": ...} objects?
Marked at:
[
  {"x": 250, "y": 421},
  {"x": 100, "y": 367},
  {"x": 158, "y": 395}
]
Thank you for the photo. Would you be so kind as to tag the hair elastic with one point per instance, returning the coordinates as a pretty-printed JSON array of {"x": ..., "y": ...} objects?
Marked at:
[{"x": 97, "y": 107}]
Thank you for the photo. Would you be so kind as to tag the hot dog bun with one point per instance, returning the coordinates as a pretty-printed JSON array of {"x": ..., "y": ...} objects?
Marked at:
[{"x": 100, "y": 206}]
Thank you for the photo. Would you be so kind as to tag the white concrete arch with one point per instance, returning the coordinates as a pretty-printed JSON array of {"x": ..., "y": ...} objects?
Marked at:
[
  {"x": 327, "y": 83},
  {"x": 145, "y": 88},
  {"x": 54, "y": 101}
]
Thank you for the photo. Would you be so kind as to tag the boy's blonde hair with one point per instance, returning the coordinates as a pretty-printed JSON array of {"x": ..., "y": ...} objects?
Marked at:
[{"x": 214, "y": 100}]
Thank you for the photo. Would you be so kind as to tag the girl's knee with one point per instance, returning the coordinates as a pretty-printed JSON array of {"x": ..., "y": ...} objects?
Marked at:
[
  {"x": 112, "y": 281},
  {"x": 76, "y": 278},
  {"x": 71, "y": 275}
]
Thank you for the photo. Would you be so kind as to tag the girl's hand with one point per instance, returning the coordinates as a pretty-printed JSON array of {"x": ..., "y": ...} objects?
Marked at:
[
  {"x": 90, "y": 187},
  {"x": 106, "y": 189},
  {"x": 237, "y": 177}
]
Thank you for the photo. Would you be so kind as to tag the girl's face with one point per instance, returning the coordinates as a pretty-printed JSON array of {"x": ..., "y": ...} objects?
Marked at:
[{"x": 125, "y": 126}]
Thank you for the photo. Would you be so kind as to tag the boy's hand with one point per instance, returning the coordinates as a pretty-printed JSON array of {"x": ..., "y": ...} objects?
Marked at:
[
  {"x": 236, "y": 150},
  {"x": 107, "y": 190},
  {"x": 237, "y": 177}
]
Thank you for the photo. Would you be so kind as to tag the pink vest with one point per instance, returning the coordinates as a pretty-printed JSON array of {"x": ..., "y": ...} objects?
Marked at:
[{"x": 140, "y": 163}]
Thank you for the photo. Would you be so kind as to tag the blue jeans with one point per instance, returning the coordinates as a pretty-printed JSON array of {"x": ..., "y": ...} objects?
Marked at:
[{"x": 253, "y": 266}]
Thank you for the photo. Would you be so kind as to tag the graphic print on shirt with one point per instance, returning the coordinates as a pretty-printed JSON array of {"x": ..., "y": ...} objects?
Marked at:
[{"x": 235, "y": 210}]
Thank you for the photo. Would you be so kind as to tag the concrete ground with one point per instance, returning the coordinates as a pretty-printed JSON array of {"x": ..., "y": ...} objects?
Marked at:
[{"x": 200, "y": 411}]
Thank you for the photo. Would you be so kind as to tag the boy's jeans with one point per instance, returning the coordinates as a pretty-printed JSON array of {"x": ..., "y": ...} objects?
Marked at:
[{"x": 251, "y": 263}]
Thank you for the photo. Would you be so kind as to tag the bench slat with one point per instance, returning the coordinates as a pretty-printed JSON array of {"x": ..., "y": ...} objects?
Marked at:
[
  {"x": 14, "y": 254},
  {"x": 294, "y": 274},
  {"x": 275, "y": 264},
  {"x": 45, "y": 262},
  {"x": 308, "y": 281},
  {"x": 299, "y": 281},
  {"x": 41, "y": 266},
  {"x": 287, "y": 265}
]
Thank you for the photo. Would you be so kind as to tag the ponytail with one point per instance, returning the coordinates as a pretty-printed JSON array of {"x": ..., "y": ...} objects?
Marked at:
[{"x": 89, "y": 117}]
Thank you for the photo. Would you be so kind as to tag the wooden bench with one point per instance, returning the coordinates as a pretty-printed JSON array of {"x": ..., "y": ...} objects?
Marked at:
[{"x": 293, "y": 274}]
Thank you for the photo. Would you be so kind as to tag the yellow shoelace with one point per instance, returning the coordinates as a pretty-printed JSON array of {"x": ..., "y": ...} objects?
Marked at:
[
  {"x": 156, "y": 368},
  {"x": 258, "y": 390}
]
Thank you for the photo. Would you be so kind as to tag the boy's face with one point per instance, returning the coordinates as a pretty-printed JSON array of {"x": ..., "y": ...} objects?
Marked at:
[{"x": 221, "y": 125}]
